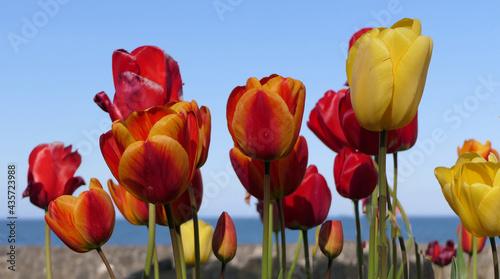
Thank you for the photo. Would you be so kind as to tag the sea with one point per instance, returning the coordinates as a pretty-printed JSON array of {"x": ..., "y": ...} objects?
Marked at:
[{"x": 249, "y": 231}]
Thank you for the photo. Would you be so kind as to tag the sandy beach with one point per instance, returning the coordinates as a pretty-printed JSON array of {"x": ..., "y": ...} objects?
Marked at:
[{"x": 128, "y": 261}]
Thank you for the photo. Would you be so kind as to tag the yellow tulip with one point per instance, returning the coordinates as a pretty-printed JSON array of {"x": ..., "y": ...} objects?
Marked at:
[
  {"x": 187, "y": 234},
  {"x": 386, "y": 70},
  {"x": 472, "y": 189}
]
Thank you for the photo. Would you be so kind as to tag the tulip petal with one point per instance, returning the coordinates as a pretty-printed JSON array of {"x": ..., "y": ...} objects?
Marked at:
[
  {"x": 488, "y": 212},
  {"x": 141, "y": 122},
  {"x": 373, "y": 81},
  {"x": 111, "y": 152},
  {"x": 122, "y": 135},
  {"x": 155, "y": 171}
]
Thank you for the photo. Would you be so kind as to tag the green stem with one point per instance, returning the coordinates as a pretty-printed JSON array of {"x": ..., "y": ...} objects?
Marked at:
[
  {"x": 175, "y": 243},
  {"x": 283, "y": 240},
  {"x": 495, "y": 256},
  {"x": 181, "y": 252},
  {"x": 265, "y": 238},
  {"x": 382, "y": 184},
  {"x": 474, "y": 257},
  {"x": 372, "y": 249},
  {"x": 223, "y": 271},
  {"x": 156, "y": 266},
  {"x": 297, "y": 252},
  {"x": 270, "y": 239},
  {"x": 329, "y": 272},
  {"x": 194, "y": 210},
  {"x": 417, "y": 262},
  {"x": 394, "y": 258},
  {"x": 106, "y": 263},
  {"x": 278, "y": 260},
  {"x": 151, "y": 240},
  {"x": 48, "y": 264},
  {"x": 306, "y": 254},
  {"x": 359, "y": 244},
  {"x": 404, "y": 257}
]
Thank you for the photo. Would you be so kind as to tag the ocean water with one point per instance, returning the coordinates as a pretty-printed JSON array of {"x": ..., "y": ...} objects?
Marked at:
[{"x": 249, "y": 231}]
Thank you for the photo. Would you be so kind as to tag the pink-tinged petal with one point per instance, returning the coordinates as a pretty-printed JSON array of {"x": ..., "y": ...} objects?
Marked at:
[
  {"x": 263, "y": 126},
  {"x": 155, "y": 171},
  {"x": 111, "y": 152},
  {"x": 224, "y": 242},
  {"x": 94, "y": 215},
  {"x": 61, "y": 220}
]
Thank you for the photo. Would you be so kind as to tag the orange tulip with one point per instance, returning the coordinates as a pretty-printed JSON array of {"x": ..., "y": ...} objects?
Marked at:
[
  {"x": 467, "y": 240},
  {"x": 331, "y": 239},
  {"x": 224, "y": 239},
  {"x": 473, "y": 145},
  {"x": 264, "y": 117},
  {"x": 286, "y": 173},
  {"x": 153, "y": 153},
  {"x": 134, "y": 210},
  {"x": 84, "y": 223}
]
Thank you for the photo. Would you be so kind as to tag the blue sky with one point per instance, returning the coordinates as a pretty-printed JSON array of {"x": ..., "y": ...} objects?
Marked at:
[{"x": 56, "y": 55}]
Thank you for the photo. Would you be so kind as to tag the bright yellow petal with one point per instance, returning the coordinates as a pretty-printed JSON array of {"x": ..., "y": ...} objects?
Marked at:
[
  {"x": 489, "y": 213},
  {"x": 443, "y": 175},
  {"x": 467, "y": 210},
  {"x": 413, "y": 24}
]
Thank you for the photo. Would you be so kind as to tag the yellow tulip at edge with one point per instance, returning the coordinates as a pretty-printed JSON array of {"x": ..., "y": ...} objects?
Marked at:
[
  {"x": 472, "y": 189},
  {"x": 386, "y": 71},
  {"x": 187, "y": 234}
]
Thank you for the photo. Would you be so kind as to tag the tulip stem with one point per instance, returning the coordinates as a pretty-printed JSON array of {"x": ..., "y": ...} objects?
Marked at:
[
  {"x": 265, "y": 240},
  {"x": 106, "y": 263},
  {"x": 329, "y": 272},
  {"x": 48, "y": 264},
  {"x": 417, "y": 262},
  {"x": 174, "y": 240},
  {"x": 194, "y": 210},
  {"x": 359, "y": 248},
  {"x": 181, "y": 252},
  {"x": 404, "y": 257},
  {"x": 306, "y": 254},
  {"x": 223, "y": 271},
  {"x": 495, "y": 256},
  {"x": 156, "y": 266},
  {"x": 372, "y": 259},
  {"x": 474, "y": 257},
  {"x": 283, "y": 239},
  {"x": 278, "y": 259},
  {"x": 382, "y": 204},
  {"x": 297, "y": 252},
  {"x": 151, "y": 240}
]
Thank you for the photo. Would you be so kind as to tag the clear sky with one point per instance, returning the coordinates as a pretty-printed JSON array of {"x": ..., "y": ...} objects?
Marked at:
[{"x": 56, "y": 55}]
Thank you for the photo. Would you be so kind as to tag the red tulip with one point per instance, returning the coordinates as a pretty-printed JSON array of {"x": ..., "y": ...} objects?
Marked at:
[
  {"x": 357, "y": 35},
  {"x": 84, "y": 223},
  {"x": 308, "y": 206},
  {"x": 354, "y": 173},
  {"x": 441, "y": 255},
  {"x": 467, "y": 238},
  {"x": 324, "y": 120},
  {"x": 264, "y": 117},
  {"x": 331, "y": 239},
  {"x": 153, "y": 153},
  {"x": 181, "y": 207},
  {"x": 224, "y": 239},
  {"x": 357, "y": 136},
  {"x": 145, "y": 78},
  {"x": 286, "y": 173},
  {"x": 134, "y": 210},
  {"x": 51, "y": 173},
  {"x": 408, "y": 136}
]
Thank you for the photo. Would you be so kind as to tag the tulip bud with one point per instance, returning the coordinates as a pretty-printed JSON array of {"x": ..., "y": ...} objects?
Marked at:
[
  {"x": 331, "y": 239},
  {"x": 224, "y": 239},
  {"x": 467, "y": 239}
]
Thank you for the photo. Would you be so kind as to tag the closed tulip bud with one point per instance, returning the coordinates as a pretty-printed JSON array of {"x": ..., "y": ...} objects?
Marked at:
[
  {"x": 331, "y": 239},
  {"x": 51, "y": 173},
  {"x": 224, "y": 239},
  {"x": 354, "y": 173},
  {"x": 474, "y": 145},
  {"x": 264, "y": 116},
  {"x": 467, "y": 239},
  {"x": 441, "y": 255},
  {"x": 386, "y": 70},
  {"x": 187, "y": 234},
  {"x": 84, "y": 223}
]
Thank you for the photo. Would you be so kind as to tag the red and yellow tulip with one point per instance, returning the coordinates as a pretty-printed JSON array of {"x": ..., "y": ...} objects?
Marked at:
[
  {"x": 474, "y": 145},
  {"x": 264, "y": 117},
  {"x": 467, "y": 239},
  {"x": 134, "y": 210},
  {"x": 224, "y": 239},
  {"x": 331, "y": 239},
  {"x": 84, "y": 223}
]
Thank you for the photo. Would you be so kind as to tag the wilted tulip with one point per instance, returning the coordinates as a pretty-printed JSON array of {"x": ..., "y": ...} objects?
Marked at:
[
  {"x": 354, "y": 173},
  {"x": 331, "y": 239},
  {"x": 153, "y": 153},
  {"x": 264, "y": 117},
  {"x": 224, "y": 239},
  {"x": 286, "y": 173},
  {"x": 472, "y": 190},
  {"x": 51, "y": 173},
  {"x": 308, "y": 206},
  {"x": 144, "y": 78},
  {"x": 474, "y": 145},
  {"x": 386, "y": 70},
  {"x": 441, "y": 255},
  {"x": 187, "y": 234},
  {"x": 467, "y": 239},
  {"x": 84, "y": 223},
  {"x": 324, "y": 120}
]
